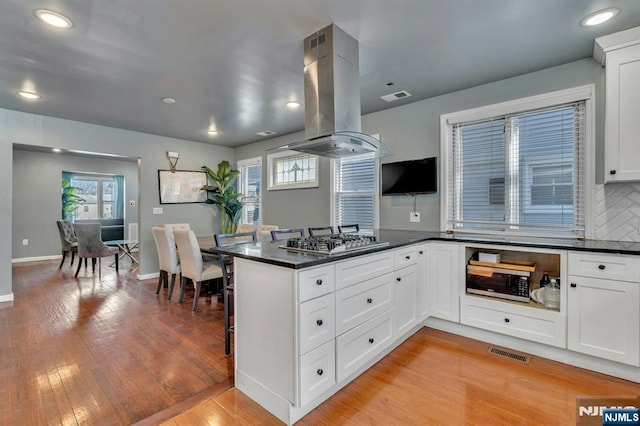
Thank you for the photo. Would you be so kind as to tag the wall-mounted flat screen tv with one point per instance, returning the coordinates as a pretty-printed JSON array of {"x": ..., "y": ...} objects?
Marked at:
[{"x": 410, "y": 177}]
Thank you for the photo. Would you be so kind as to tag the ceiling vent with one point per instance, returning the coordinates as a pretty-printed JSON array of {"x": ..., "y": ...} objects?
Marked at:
[{"x": 396, "y": 96}]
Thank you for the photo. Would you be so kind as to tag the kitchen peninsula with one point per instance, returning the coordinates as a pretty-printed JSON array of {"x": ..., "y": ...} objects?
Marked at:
[{"x": 308, "y": 324}]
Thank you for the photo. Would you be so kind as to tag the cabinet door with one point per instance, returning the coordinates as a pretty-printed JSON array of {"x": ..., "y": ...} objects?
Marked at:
[
  {"x": 444, "y": 281},
  {"x": 405, "y": 307},
  {"x": 422, "y": 282},
  {"x": 622, "y": 126},
  {"x": 604, "y": 318}
]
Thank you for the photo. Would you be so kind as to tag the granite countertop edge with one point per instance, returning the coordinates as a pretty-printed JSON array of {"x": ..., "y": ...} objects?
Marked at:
[{"x": 269, "y": 252}]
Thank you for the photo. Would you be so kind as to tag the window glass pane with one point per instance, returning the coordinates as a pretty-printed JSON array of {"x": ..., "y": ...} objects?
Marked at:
[
  {"x": 250, "y": 184},
  {"x": 355, "y": 191},
  {"x": 88, "y": 190}
]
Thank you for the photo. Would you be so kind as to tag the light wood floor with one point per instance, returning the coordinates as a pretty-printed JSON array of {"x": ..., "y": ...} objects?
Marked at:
[{"x": 110, "y": 352}]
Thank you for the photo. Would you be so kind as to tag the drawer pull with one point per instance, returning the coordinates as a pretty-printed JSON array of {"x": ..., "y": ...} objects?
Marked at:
[
  {"x": 574, "y": 285},
  {"x": 399, "y": 279},
  {"x": 612, "y": 172},
  {"x": 371, "y": 340},
  {"x": 601, "y": 267},
  {"x": 319, "y": 322},
  {"x": 407, "y": 257},
  {"x": 421, "y": 252},
  {"x": 320, "y": 372},
  {"x": 319, "y": 281},
  {"x": 369, "y": 300},
  {"x": 507, "y": 320}
]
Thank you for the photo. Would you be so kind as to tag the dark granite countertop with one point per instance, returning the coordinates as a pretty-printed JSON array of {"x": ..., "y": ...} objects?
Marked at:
[{"x": 270, "y": 252}]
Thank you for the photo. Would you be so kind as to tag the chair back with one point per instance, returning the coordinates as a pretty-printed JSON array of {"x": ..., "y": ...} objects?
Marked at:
[
  {"x": 90, "y": 240},
  {"x": 173, "y": 226},
  {"x": 342, "y": 229},
  {"x": 320, "y": 230},
  {"x": 190, "y": 256},
  {"x": 166, "y": 246},
  {"x": 224, "y": 240},
  {"x": 245, "y": 227},
  {"x": 67, "y": 235},
  {"x": 284, "y": 234}
]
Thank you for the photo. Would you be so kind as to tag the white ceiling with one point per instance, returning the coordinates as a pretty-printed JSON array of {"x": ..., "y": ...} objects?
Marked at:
[{"x": 232, "y": 64}]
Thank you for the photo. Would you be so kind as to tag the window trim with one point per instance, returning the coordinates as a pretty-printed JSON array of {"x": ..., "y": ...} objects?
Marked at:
[
  {"x": 245, "y": 163},
  {"x": 290, "y": 153},
  {"x": 376, "y": 195},
  {"x": 586, "y": 93},
  {"x": 100, "y": 178}
]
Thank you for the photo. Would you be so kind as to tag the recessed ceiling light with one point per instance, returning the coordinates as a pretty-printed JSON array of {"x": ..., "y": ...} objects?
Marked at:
[
  {"x": 54, "y": 19},
  {"x": 212, "y": 132},
  {"x": 293, "y": 104},
  {"x": 32, "y": 96},
  {"x": 56, "y": 150},
  {"x": 168, "y": 100},
  {"x": 266, "y": 133},
  {"x": 600, "y": 17}
]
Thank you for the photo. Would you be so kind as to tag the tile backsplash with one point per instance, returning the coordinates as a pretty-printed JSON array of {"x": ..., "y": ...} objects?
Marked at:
[{"x": 617, "y": 212}]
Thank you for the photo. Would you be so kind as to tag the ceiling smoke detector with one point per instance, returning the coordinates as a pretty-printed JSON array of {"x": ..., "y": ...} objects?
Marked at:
[{"x": 396, "y": 96}]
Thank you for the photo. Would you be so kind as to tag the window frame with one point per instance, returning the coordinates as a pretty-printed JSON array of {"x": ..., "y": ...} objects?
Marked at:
[
  {"x": 245, "y": 163},
  {"x": 581, "y": 93},
  {"x": 376, "y": 194},
  {"x": 100, "y": 178},
  {"x": 271, "y": 160}
]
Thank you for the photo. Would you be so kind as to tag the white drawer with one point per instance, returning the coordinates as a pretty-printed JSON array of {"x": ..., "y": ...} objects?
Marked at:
[
  {"x": 363, "y": 268},
  {"x": 528, "y": 323},
  {"x": 316, "y": 282},
  {"x": 360, "y": 302},
  {"x": 405, "y": 257},
  {"x": 317, "y": 322},
  {"x": 606, "y": 266},
  {"x": 317, "y": 371},
  {"x": 355, "y": 348}
]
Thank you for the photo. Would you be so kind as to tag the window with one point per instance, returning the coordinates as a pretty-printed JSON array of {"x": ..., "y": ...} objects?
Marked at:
[
  {"x": 518, "y": 167},
  {"x": 355, "y": 192},
  {"x": 291, "y": 170},
  {"x": 250, "y": 185},
  {"x": 99, "y": 195}
]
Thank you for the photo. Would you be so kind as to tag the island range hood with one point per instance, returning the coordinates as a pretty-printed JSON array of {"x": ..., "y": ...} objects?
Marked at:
[{"x": 332, "y": 98}]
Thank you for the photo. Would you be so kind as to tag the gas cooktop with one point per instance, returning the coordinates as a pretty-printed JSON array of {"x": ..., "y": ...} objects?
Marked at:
[{"x": 332, "y": 244}]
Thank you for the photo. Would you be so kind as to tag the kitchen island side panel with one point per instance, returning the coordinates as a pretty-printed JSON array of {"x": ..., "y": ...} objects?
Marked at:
[{"x": 265, "y": 322}]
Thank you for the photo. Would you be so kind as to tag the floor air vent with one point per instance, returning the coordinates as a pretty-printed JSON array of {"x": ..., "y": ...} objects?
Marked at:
[{"x": 522, "y": 358}]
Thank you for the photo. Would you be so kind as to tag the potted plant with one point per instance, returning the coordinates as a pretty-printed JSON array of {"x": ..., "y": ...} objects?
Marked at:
[
  {"x": 224, "y": 195},
  {"x": 70, "y": 200}
]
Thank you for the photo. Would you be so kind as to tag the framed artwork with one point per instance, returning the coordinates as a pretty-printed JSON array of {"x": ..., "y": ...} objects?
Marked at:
[{"x": 182, "y": 186}]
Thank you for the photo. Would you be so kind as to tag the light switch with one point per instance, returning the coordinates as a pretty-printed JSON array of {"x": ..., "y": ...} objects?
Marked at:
[{"x": 157, "y": 210}]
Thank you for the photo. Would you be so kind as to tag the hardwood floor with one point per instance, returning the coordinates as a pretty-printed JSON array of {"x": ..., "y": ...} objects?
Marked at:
[
  {"x": 108, "y": 351},
  {"x": 102, "y": 350}
]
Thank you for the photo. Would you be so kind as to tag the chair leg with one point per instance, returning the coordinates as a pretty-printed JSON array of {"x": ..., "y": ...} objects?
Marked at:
[
  {"x": 182, "y": 284},
  {"x": 173, "y": 282},
  {"x": 196, "y": 296},
  {"x": 79, "y": 266},
  {"x": 85, "y": 262},
  {"x": 64, "y": 256},
  {"x": 93, "y": 265},
  {"x": 73, "y": 256},
  {"x": 160, "y": 280},
  {"x": 117, "y": 261}
]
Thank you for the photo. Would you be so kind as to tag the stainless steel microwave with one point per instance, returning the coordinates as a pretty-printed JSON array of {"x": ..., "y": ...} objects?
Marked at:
[{"x": 497, "y": 282}]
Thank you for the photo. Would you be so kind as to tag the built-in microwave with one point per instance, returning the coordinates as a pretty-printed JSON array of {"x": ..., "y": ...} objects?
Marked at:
[{"x": 497, "y": 282}]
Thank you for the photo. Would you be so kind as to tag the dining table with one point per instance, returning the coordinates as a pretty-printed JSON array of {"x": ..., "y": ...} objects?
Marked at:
[{"x": 126, "y": 247}]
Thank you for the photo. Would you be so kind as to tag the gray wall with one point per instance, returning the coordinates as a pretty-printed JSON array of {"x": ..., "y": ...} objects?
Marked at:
[
  {"x": 41, "y": 131},
  {"x": 413, "y": 131},
  {"x": 37, "y": 202}
]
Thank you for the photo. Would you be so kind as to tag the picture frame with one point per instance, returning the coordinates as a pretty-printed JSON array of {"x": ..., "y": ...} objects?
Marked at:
[{"x": 182, "y": 186}]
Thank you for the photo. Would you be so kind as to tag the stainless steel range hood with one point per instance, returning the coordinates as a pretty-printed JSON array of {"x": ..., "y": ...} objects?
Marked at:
[{"x": 332, "y": 98}]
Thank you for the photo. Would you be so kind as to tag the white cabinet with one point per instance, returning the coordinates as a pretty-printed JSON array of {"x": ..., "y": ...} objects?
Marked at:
[
  {"x": 622, "y": 106},
  {"x": 405, "y": 317},
  {"x": 604, "y": 306},
  {"x": 444, "y": 281},
  {"x": 422, "y": 282}
]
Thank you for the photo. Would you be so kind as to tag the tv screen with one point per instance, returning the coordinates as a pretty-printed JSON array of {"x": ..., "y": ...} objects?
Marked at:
[{"x": 410, "y": 177}]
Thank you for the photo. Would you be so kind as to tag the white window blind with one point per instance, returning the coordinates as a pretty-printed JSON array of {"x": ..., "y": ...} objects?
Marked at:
[
  {"x": 250, "y": 185},
  {"x": 355, "y": 191},
  {"x": 519, "y": 173}
]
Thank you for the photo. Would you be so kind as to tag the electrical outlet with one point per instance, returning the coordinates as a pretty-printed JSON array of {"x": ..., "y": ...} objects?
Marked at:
[
  {"x": 25, "y": 242},
  {"x": 414, "y": 217},
  {"x": 157, "y": 210}
]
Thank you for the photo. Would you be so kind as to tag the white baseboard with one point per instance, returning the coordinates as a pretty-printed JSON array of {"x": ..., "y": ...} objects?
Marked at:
[
  {"x": 141, "y": 277},
  {"x": 35, "y": 259},
  {"x": 6, "y": 297}
]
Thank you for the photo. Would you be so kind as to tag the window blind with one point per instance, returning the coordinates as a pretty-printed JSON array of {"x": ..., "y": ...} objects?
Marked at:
[
  {"x": 519, "y": 173},
  {"x": 355, "y": 191}
]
